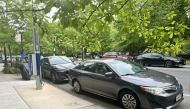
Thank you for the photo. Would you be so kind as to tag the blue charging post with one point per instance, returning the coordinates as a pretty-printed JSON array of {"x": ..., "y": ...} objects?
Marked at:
[
  {"x": 37, "y": 53},
  {"x": 37, "y": 56}
]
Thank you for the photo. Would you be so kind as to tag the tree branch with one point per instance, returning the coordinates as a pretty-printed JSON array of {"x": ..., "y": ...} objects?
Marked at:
[
  {"x": 93, "y": 13},
  {"x": 26, "y": 10},
  {"x": 111, "y": 12},
  {"x": 126, "y": 1}
]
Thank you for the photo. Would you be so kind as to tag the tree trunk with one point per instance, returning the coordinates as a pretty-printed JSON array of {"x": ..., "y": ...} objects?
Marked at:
[
  {"x": 10, "y": 54},
  {"x": 5, "y": 54}
]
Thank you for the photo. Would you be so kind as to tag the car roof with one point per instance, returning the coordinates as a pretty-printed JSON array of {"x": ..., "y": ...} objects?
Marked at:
[
  {"x": 102, "y": 60},
  {"x": 48, "y": 57}
]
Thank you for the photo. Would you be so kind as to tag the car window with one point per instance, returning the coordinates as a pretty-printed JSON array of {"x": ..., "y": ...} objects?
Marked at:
[
  {"x": 101, "y": 68},
  {"x": 124, "y": 67},
  {"x": 88, "y": 66},
  {"x": 78, "y": 67},
  {"x": 156, "y": 55},
  {"x": 57, "y": 60},
  {"x": 44, "y": 61},
  {"x": 146, "y": 55}
]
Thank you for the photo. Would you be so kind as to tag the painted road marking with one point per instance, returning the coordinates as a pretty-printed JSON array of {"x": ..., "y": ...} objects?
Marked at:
[{"x": 186, "y": 95}]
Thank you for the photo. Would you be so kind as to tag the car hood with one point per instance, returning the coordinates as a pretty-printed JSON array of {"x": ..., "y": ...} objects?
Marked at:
[
  {"x": 64, "y": 66},
  {"x": 150, "y": 78}
]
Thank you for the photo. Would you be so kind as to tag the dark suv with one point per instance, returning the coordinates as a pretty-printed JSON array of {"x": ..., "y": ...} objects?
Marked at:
[{"x": 157, "y": 59}]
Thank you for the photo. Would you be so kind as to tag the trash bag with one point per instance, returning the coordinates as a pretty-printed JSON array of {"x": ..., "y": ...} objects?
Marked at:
[{"x": 25, "y": 71}]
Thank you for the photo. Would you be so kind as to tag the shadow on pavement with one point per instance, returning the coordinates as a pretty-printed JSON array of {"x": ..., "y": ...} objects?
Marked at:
[{"x": 97, "y": 100}]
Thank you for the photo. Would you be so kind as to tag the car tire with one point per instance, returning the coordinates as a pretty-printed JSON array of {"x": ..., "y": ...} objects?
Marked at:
[
  {"x": 43, "y": 76},
  {"x": 77, "y": 86},
  {"x": 168, "y": 64},
  {"x": 129, "y": 100},
  {"x": 53, "y": 78}
]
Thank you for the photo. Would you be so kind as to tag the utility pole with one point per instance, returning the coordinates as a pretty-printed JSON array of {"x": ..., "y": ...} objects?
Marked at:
[
  {"x": 54, "y": 48},
  {"x": 22, "y": 49},
  {"x": 36, "y": 51}
]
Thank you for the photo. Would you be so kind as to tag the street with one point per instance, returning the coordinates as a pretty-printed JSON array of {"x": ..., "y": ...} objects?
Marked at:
[{"x": 182, "y": 74}]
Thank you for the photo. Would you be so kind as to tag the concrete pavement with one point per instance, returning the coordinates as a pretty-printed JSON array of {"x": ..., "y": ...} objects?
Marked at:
[
  {"x": 9, "y": 98},
  {"x": 50, "y": 97},
  {"x": 20, "y": 94}
]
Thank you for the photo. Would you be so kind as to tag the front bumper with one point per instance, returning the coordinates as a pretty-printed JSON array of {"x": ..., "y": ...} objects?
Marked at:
[
  {"x": 179, "y": 64},
  {"x": 62, "y": 76},
  {"x": 172, "y": 106},
  {"x": 165, "y": 101}
]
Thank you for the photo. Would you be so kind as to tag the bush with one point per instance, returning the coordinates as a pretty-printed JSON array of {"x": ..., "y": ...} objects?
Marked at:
[{"x": 10, "y": 70}]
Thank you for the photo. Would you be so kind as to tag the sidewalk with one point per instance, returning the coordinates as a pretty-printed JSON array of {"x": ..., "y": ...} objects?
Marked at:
[
  {"x": 186, "y": 66},
  {"x": 19, "y": 94},
  {"x": 50, "y": 98},
  {"x": 9, "y": 98}
]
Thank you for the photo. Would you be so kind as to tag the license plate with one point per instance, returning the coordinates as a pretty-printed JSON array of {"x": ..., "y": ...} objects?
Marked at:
[{"x": 178, "y": 97}]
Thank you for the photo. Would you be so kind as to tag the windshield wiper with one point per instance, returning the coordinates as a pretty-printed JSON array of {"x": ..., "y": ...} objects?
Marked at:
[
  {"x": 141, "y": 71},
  {"x": 127, "y": 74}
]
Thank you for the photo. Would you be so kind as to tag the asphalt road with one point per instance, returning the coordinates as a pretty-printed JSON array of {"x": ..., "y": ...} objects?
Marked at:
[{"x": 182, "y": 74}]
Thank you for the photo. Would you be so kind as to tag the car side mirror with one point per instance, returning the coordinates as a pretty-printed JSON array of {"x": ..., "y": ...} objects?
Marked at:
[{"x": 109, "y": 74}]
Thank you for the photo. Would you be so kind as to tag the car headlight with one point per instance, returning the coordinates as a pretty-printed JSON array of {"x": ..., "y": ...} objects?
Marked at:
[{"x": 153, "y": 90}]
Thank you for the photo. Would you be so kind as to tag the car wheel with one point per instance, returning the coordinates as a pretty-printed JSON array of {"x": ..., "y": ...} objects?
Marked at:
[
  {"x": 43, "y": 75},
  {"x": 77, "y": 86},
  {"x": 53, "y": 78},
  {"x": 168, "y": 64},
  {"x": 129, "y": 100}
]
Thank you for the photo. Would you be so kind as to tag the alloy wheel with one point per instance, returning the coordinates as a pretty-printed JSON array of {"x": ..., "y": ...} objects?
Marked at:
[
  {"x": 53, "y": 78},
  {"x": 168, "y": 64},
  {"x": 129, "y": 101},
  {"x": 77, "y": 87}
]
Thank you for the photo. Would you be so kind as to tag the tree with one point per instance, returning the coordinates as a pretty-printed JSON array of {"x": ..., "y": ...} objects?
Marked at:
[{"x": 104, "y": 25}]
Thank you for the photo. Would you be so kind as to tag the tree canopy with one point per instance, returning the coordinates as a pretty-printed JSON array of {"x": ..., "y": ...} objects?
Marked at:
[{"x": 132, "y": 26}]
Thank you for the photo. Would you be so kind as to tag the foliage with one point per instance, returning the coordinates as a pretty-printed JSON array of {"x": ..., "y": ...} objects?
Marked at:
[
  {"x": 186, "y": 47},
  {"x": 11, "y": 70},
  {"x": 99, "y": 25}
]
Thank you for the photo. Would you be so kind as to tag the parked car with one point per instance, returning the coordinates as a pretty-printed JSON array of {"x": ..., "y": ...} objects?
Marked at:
[
  {"x": 56, "y": 68},
  {"x": 116, "y": 55},
  {"x": 156, "y": 59},
  {"x": 132, "y": 84}
]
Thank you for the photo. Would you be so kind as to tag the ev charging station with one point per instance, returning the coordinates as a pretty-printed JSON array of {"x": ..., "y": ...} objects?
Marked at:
[
  {"x": 34, "y": 65},
  {"x": 36, "y": 59}
]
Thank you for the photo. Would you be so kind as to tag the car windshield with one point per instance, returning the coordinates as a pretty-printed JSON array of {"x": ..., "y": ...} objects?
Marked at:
[
  {"x": 125, "y": 67},
  {"x": 57, "y": 60},
  {"x": 66, "y": 59}
]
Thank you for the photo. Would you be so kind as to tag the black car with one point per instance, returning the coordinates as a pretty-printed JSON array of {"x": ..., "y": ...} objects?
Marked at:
[
  {"x": 156, "y": 59},
  {"x": 56, "y": 68},
  {"x": 133, "y": 85}
]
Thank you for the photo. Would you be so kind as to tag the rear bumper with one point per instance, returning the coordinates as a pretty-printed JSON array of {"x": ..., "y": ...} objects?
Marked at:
[{"x": 178, "y": 64}]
